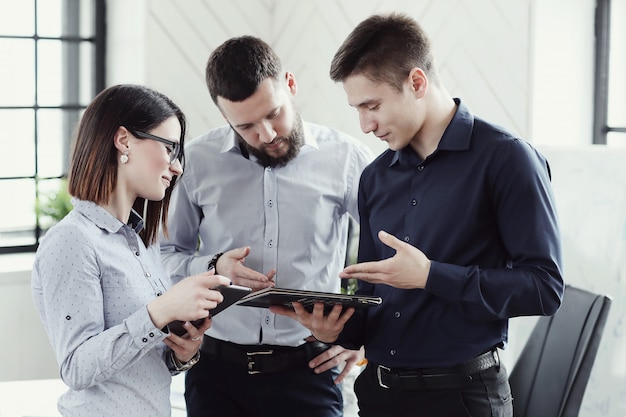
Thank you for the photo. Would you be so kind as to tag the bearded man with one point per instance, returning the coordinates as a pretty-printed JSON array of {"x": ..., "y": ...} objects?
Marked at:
[{"x": 266, "y": 200}]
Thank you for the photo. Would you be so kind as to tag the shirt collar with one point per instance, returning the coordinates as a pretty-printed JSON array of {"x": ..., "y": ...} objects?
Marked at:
[
  {"x": 456, "y": 137},
  {"x": 105, "y": 220},
  {"x": 231, "y": 143}
]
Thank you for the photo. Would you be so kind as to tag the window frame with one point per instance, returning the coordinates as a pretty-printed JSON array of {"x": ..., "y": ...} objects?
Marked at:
[
  {"x": 601, "y": 127},
  {"x": 98, "y": 39}
]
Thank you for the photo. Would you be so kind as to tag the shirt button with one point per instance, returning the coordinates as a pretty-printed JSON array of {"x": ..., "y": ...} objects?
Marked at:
[
  {"x": 414, "y": 202},
  {"x": 68, "y": 317},
  {"x": 406, "y": 238},
  {"x": 144, "y": 340},
  {"x": 137, "y": 253},
  {"x": 269, "y": 203},
  {"x": 397, "y": 314},
  {"x": 270, "y": 243},
  {"x": 159, "y": 294},
  {"x": 392, "y": 352},
  {"x": 148, "y": 274},
  {"x": 151, "y": 334},
  {"x": 420, "y": 167},
  {"x": 267, "y": 319}
]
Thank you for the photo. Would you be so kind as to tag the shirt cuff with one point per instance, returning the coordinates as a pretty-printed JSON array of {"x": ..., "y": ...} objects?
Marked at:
[
  {"x": 142, "y": 330},
  {"x": 446, "y": 280}
]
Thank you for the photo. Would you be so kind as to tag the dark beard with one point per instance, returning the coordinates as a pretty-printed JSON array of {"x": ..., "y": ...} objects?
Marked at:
[{"x": 295, "y": 140}]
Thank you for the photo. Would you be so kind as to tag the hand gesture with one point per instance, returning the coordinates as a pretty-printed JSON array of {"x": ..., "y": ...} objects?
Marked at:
[
  {"x": 231, "y": 265},
  {"x": 190, "y": 299},
  {"x": 334, "y": 357},
  {"x": 324, "y": 328},
  {"x": 186, "y": 346},
  {"x": 407, "y": 269}
]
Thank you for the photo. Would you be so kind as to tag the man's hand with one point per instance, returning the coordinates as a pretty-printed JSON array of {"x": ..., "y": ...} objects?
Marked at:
[
  {"x": 230, "y": 264},
  {"x": 326, "y": 329},
  {"x": 334, "y": 357},
  {"x": 407, "y": 269}
]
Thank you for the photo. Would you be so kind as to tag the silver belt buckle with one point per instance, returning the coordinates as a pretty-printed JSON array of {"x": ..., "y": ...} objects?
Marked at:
[
  {"x": 252, "y": 362},
  {"x": 378, "y": 374},
  {"x": 496, "y": 358}
]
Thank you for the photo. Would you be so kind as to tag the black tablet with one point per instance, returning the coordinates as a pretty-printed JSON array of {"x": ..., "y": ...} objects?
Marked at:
[{"x": 285, "y": 297}]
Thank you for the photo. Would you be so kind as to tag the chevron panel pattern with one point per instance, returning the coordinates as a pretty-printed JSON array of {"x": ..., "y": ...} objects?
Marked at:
[{"x": 482, "y": 49}]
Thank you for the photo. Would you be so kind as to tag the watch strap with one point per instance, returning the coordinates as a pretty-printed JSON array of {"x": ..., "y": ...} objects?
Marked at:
[{"x": 213, "y": 262}]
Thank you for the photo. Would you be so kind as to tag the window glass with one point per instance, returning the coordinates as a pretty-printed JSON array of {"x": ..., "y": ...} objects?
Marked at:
[
  {"x": 18, "y": 142},
  {"x": 617, "y": 66},
  {"x": 17, "y": 72},
  {"x": 86, "y": 84},
  {"x": 54, "y": 132},
  {"x": 51, "y": 54},
  {"x": 20, "y": 21},
  {"x": 52, "y": 24}
]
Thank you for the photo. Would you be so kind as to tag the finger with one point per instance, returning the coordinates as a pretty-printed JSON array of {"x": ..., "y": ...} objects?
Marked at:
[
  {"x": 206, "y": 325},
  {"x": 335, "y": 312},
  {"x": 345, "y": 316},
  {"x": 390, "y": 240},
  {"x": 254, "y": 284},
  {"x": 284, "y": 311},
  {"x": 196, "y": 333},
  {"x": 302, "y": 314},
  {"x": 325, "y": 356},
  {"x": 215, "y": 296},
  {"x": 243, "y": 272},
  {"x": 237, "y": 254},
  {"x": 245, "y": 251},
  {"x": 344, "y": 372},
  {"x": 325, "y": 366},
  {"x": 359, "y": 270}
]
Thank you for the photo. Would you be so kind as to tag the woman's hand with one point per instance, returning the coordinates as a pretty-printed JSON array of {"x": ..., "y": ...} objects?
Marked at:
[{"x": 190, "y": 299}]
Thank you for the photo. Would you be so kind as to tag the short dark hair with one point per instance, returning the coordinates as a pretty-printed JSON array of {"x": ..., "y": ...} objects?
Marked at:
[
  {"x": 93, "y": 166},
  {"x": 384, "y": 48},
  {"x": 237, "y": 67}
]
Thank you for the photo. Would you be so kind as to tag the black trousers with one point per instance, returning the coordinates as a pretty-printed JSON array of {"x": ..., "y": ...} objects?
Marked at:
[
  {"x": 217, "y": 388},
  {"x": 488, "y": 395}
]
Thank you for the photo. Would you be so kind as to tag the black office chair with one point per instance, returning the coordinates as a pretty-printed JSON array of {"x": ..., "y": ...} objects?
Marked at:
[{"x": 550, "y": 376}]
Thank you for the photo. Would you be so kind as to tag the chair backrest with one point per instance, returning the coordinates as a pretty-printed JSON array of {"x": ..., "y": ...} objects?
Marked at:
[{"x": 550, "y": 376}]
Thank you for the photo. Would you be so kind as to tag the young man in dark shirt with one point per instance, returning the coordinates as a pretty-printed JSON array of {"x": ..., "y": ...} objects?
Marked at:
[{"x": 458, "y": 233}]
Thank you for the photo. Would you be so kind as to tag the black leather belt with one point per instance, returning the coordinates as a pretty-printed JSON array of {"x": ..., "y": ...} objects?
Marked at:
[
  {"x": 265, "y": 359},
  {"x": 437, "y": 378}
]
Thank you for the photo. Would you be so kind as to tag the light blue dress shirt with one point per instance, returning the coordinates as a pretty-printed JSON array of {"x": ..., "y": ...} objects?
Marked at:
[
  {"x": 295, "y": 219},
  {"x": 92, "y": 279}
]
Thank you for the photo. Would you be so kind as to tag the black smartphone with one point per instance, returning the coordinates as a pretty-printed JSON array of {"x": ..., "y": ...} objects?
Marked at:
[{"x": 232, "y": 293}]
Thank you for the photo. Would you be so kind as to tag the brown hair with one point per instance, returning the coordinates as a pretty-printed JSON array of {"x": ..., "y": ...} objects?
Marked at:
[
  {"x": 237, "y": 67},
  {"x": 93, "y": 166},
  {"x": 384, "y": 48}
]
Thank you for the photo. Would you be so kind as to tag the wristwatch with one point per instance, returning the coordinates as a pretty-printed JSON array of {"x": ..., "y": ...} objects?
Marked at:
[
  {"x": 181, "y": 367},
  {"x": 213, "y": 262}
]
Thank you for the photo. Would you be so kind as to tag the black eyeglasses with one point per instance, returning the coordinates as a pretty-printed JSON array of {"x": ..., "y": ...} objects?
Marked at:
[{"x": 173, "y": 148}]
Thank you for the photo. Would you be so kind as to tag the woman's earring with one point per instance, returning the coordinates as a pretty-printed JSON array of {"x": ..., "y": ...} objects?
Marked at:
[{"x": 124, "y": 157}]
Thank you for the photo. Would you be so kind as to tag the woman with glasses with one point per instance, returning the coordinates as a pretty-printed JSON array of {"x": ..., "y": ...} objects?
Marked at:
[{"x": 98, "y": 284}]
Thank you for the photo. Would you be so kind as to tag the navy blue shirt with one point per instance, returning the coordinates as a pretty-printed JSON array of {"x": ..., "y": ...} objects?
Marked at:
[{"x": 482, "y": 210}]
